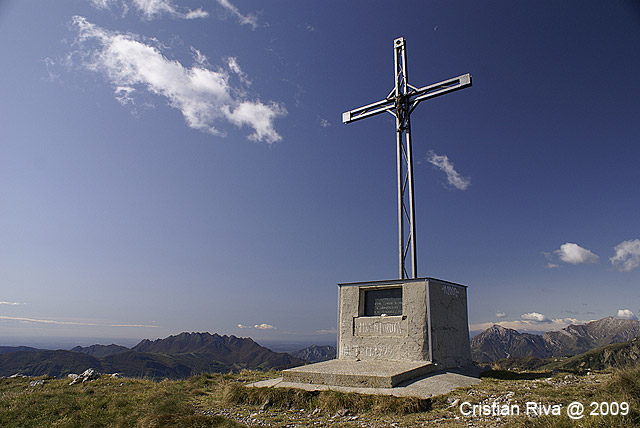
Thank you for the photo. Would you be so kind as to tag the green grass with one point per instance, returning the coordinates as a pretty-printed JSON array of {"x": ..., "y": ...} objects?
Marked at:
[
  {"x": 329, "y": 402},
  {"x": 224, "y": 400},
  {"x": 102, "y": 403}
]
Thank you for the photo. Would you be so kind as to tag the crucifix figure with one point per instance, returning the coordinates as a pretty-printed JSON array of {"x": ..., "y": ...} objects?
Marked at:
[{"x": 400, "y": 102}]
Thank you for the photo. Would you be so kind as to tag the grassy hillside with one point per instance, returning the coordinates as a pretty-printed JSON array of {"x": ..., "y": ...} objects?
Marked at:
[
  {"x": 218, "y": 400},
  {"x": 618, "y": 355},
  {"x": 52, "y": 363}
]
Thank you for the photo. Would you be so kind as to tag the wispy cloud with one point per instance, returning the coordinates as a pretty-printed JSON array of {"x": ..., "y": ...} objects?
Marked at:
[
  {"x": 58, "y": 322},
  {"x": 443, "y": 163},
  {"x": 627, "y": 255},
  {"x": 232, "y": 63},
  {"x": 327, "y": 331},
  {"x": 324, "y": 122},
  {"x": 11, "y": 303},
  {"x": 626, "y": 314},
  {"x": 575, "y": 254},
  {"x": 150, "y": 9},
  {"x": 501, "y": 315},
  {"x": 102, "y": 4},
  {"x": 551, "y": 264},
  {"x": 262, "y": 326},
  {"x": 250, "y": 19},
  {"x": 203, "y": 95},
  {"x": 50, "y": 66}
]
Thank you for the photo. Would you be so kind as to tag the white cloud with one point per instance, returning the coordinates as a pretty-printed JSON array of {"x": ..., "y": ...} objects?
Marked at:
[
  {"x": 535, "y": 317},
  {"x": 264, "y": 327},
  {"x": 11, "y": 303},
  {"x": 324, "y": 122},
  {"x": 258, "y": 326},
  {"x": 204, "y": 96},
  {"x": 257, "y": 115},
  {"x": 501, "y": 315},
  {"x": 627, "y": 255},
  {"x": 327, "y": 331},
  {"x": 626, "y": 314},
  {"x": 243, "y": 19},
  {"x": 575, "y": 254},
  {"x": 151, "y": 9},
  {"x": 453, "y": 177}
]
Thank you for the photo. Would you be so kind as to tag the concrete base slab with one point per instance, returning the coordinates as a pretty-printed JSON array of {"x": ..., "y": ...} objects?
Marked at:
[
  {"x": 433, "y": 384},
  {"x": 362, "y": 374}
]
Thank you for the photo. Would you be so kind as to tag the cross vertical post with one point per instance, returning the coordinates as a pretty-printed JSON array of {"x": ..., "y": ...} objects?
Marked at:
[
  {"x": 406, "y": 210},
  {"x": 400, "y": 102}
]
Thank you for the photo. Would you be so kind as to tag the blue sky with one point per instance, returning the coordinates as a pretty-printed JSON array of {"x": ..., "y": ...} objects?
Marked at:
[{"x": 179, "y": 165}]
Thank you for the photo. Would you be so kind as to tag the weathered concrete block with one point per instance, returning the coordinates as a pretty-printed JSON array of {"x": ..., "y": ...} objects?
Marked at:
[{"x": 410, "y": 320}]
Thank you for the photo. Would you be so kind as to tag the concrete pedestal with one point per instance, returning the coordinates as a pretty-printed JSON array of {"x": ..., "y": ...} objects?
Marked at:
[{"x": 362, "y": 374}]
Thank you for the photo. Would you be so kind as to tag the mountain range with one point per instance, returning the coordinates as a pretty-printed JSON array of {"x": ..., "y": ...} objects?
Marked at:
[
  {"x": 187, "y": 354},
  {"x": 498, "y": 342},
  {"x": 174, "y": 357}
]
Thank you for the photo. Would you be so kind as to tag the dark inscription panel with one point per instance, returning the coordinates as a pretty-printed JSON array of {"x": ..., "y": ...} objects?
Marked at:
[{"x": 386, "y": 301}]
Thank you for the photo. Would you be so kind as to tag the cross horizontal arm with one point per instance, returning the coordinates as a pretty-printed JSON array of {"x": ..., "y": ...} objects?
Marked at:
[
  {"x": 368, "y": 110},
  {"x": 415, "y": 97},
  {"x": 440, "y": 88}
]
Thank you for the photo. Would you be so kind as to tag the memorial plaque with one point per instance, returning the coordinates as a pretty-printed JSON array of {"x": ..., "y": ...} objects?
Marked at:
[{"x": 386, "y": 301}]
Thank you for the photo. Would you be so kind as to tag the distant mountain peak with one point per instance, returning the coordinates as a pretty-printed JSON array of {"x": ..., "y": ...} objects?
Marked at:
[
  {"x": 316, "y": 353},
  {"x": 499, "y": 330},
  {"x": 100, "y": 351}
]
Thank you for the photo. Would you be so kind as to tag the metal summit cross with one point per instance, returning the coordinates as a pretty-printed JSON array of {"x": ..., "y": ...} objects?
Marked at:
[{"x": 400, "y": 102}]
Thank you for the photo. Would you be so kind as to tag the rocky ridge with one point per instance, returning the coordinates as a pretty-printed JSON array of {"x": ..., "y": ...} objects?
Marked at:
[
  {"x": 316, "y": 353},
  {"x": 499, "y": 342}
]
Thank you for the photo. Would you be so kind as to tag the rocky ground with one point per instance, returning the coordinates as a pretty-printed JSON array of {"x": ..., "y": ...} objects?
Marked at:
[{"x": 558, "y": 390}]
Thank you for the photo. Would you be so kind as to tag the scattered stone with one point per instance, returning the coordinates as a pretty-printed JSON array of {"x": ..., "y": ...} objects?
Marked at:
[
  {"x": 36, "y": 382},
  {"x": 315, "y": 411},
  {"x": 86, "y": 376},
  {"x": 265, "y": 405},
  {"x": 116, "y": 376},
  {"x": 452, "y": 402},
  {"x": 342, "y": 412}
]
